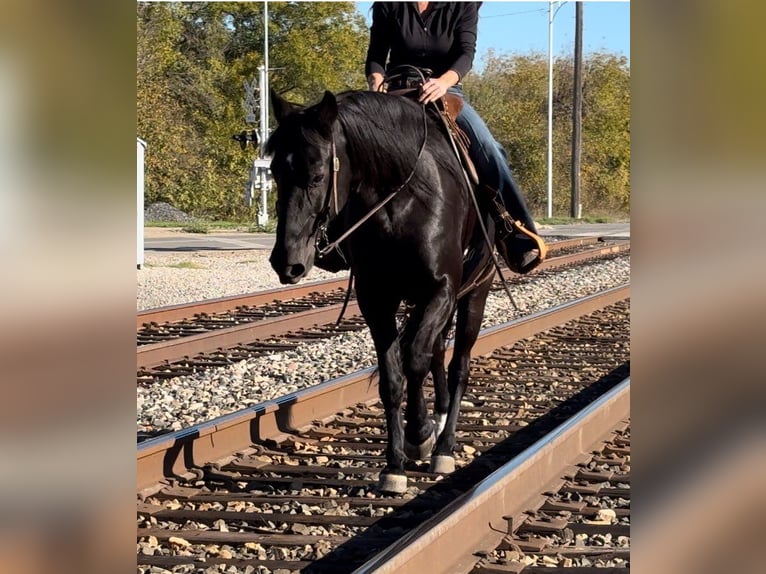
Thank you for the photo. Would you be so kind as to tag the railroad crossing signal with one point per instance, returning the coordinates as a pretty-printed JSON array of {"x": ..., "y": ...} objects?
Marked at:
[
  {"x": 250, "y": 103},
  {"x": 256, "y": 112},
  {"x": 246, "y": 136}
]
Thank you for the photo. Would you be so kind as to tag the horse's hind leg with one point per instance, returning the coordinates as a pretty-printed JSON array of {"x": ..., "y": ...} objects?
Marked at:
[
  {"x": 469, "y": 315},
  {"x": 439, "y": 375},
  {"x": 423, "y": 450}
]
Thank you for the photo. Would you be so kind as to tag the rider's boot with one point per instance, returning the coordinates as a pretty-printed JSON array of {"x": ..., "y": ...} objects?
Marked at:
[{"x": 520, "y": 247}]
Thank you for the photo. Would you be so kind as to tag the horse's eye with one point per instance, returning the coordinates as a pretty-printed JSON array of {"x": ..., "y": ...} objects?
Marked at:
[{"x": 317, "y": 179}]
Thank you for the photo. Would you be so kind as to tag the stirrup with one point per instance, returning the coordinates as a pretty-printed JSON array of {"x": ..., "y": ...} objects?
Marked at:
[
  {"x": 515, "y": 227},
  {"x": 507, "y": 227}
]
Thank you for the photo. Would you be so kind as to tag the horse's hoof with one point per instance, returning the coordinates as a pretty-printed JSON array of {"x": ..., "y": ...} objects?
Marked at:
[
  {"x": 441, "y": 464},
  {"x": 420, "y": 451},
  {"x": 393, "y": 483}
]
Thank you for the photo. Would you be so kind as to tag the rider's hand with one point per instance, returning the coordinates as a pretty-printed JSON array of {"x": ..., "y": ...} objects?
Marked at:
[
  {"x": 374, "y": 81},
  {"x": 435, "y": 88}
]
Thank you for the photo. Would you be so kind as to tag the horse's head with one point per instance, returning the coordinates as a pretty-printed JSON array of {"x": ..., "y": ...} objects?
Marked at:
[{"x": 301, "y": 164}]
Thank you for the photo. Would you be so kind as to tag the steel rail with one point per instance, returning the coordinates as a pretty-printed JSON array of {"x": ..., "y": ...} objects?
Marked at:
[
  {"x": 148, "y": 356},
  {"x": 178, "y": 453},
  {"x": 574, "y": 242},
  {"x": 172, "y": 313},
  {"x": 155, "y": 354},
  {"x": 571, "y": 258},
  {"x": 446, "y": 543}
]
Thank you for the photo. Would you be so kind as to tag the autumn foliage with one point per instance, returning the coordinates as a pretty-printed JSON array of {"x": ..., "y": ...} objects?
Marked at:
[{"x": 192, "y": 59}]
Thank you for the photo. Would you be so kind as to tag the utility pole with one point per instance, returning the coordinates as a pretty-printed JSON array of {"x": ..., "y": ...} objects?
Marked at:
[
  {"x": 576, "y": 207},
  {"x": 263, "y": 214},
  {"x": 264, "y": 111},
  {"x": 551, "y": 15},
  {"x": 265, "y": 79},
  {"x": 259, "y": 171}
]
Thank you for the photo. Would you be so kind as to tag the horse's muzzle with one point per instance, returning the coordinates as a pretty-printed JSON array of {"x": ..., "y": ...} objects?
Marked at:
[{"x": 289, "y": 273}]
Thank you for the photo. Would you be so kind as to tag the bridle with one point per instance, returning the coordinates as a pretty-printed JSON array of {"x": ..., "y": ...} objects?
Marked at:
[{"x": 321, "y": 243}]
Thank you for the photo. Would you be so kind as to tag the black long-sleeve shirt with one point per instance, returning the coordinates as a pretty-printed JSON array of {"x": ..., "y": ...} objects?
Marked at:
[{"x": 442, "y": 38}]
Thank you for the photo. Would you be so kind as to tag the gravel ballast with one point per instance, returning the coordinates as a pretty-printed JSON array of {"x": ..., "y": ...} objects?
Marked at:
[
  {"x": 173, "y": 278},
  {"x": 183, "y": 401},
  {"x": 162, "y": 211}
]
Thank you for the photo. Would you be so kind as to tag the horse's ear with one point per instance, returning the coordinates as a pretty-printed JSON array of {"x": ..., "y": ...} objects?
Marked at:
[
  {"x": 328, "y": 109},
  {"x": 282, "y": 107}
]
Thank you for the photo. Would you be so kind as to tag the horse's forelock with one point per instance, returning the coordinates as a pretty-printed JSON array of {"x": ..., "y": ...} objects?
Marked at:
[{"x": 295, "y": 129}]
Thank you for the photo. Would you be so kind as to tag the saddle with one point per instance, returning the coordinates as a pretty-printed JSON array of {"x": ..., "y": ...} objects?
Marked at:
[{"x": 407, "y": 81}]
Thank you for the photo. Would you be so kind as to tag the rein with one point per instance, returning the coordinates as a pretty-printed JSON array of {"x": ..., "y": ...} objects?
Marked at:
[
  {"x": 334, "y": 194},
  {"x": 480, "y": 221}
]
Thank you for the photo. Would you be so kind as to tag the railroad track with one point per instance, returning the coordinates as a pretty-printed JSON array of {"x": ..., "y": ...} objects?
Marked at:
[
  {"x": 539, "y": 511},
  {"x": 288, "y": 485},
  {"x": 174, "y": 341},
  {"x": 581, "y": 522}
]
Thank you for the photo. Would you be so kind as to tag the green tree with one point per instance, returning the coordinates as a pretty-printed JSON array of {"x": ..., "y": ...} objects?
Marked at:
[
  {"x": 161, "y": 119},
  {"x": 606, "y": 132},
  {"x": 192, "y": 59},
  {"x": 511, "y": 94}
]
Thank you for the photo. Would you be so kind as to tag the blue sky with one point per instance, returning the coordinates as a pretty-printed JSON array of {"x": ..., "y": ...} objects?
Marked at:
[{"x": 522, "y": 27}]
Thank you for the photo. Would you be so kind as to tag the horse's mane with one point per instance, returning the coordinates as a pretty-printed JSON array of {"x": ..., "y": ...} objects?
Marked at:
[{"x": 384, "y": 134}]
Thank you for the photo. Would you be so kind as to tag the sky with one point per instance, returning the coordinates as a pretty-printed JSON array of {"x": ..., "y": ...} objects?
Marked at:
[{"x": 522, "y": 27}]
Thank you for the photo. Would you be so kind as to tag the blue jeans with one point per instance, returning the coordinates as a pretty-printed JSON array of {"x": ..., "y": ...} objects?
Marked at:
[{"x": 491, "y": 162}]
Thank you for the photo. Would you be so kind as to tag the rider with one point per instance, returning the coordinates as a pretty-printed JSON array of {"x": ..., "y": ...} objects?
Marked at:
[{"x": 441, "y": 36}]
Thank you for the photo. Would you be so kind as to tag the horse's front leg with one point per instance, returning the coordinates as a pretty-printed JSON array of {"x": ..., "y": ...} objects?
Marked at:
[
  {"x": 381, "y": 319},
  {"x": 422, "y": 345},
  {"x": 469, "y": 315}
]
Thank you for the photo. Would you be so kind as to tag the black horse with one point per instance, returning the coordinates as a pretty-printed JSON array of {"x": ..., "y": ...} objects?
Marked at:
[{"x": 382, "y": 157}]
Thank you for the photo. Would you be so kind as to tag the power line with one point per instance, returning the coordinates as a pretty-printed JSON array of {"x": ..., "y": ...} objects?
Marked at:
[
  {"x": 514, "y": 13},
  {"x": 560, "y": 4}
]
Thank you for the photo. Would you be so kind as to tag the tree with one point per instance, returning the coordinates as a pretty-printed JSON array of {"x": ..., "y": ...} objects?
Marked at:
[
  {"x": 606, "y": 131},
  {"x": 511, "y": 94},
  {"x": 192, "y": 59},
  {"x": 160, "y": 117}
]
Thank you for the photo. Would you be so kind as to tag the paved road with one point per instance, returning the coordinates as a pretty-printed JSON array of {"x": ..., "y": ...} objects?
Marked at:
[
  {"x": 181, "y": 241},
  {"x": 613, "y": 230},
  {"x": 210, "y": 242}
]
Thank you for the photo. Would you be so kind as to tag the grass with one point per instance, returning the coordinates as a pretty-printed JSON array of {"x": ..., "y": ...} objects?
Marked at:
[
  {"x": 180, "y": 265},
  {"x": 584, "y": 219},
  {"x": 196, "y": 227},
  {"x": 207, "y": 226},
  {"x": 186, "y": 265},
  {"x": 270, "y": 227},
  {"x": 162, "y": 224}
]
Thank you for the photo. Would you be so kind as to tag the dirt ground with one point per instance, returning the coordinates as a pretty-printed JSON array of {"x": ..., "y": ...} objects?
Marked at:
[{"x": 150, "y": 232}]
